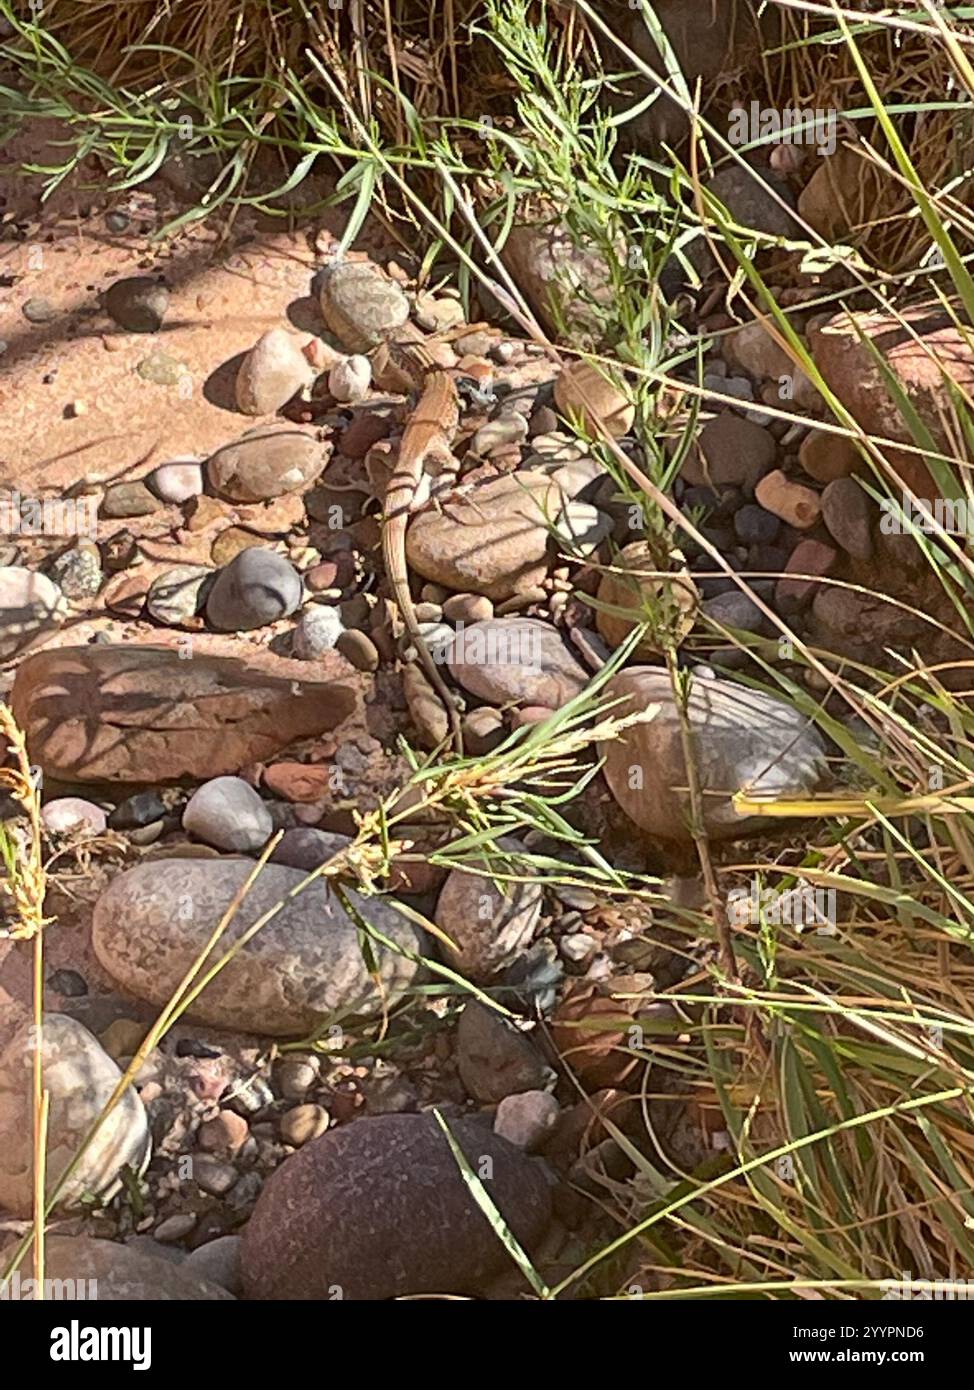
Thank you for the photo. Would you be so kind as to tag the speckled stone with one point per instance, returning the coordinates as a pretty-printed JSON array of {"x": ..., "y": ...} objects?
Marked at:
[
  {"x": 304, "y": 964},
  {"x": 379, "y": 1208}
]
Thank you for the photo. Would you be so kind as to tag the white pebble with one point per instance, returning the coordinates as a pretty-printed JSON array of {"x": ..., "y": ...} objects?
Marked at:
[{"x": 350, "y": 379}]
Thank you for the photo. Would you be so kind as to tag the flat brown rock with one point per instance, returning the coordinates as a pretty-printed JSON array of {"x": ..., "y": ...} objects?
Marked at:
[{"x": 131, "y": 713}]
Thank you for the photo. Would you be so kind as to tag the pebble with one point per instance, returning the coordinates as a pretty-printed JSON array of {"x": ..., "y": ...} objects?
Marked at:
[
  {"x": 358, "y": 649},
  {"x": 848, "y": 511},
  {"x": 162, "y": 369},
  {"x": 39, "y": 310},
  {"x": 527, "y": 1119},
  {"x": 228, "y": 814},
  {"x": 177, "y": 481},
  {"x": 826, "y": 457},
  {"x": 730, "y": 452},
  {"x": 176, "y": 597},
  {"x": 809, "y": 557},
  {"x": 735, "y": 610},
  {"x": 636, "y": 585},
  {"x": 304, "y": 966},
  {"x": 213, "y": 1175},
  {"x": 521, "y": 660},
  {"x": 507, "y": 428},
  {"x": 351, "y": 378},
  {"x": 256, "y": 588},
  {"x": 582, "y": 383},
  {"x": 318, "y": 630},
  {"x": 295, "y": 1076},
  {"x": 137, "y": 811},
  {"x": 305, "y": 847},
  {"x": 493, "y": 541},
  {"x": 217, "y": 1262},
  {"x": 490, "y": 922},
  {"x": 582, "y": 528},
  {"x": 495, "y": 1059},
  {"x": 380, "y": 1208},
  {"x": 128, "y": 499},
  {"x": 577, "y": 947},
  {"x": 229, "y": 544},
  {"x": 77, "y": 571},
  {"x": 30, "y": 604},
  {"x": 68, "y": 983},
  {"x": 468, "y": 608},
  {"x": 226, "y": 1133},
  {"x": 138, "y": 303},
  {"x": 79, "y": 1076},
  {"x": 795, "y": 504},
  {"x": 176, "y": 1227},
  {"x": 304, "y": 1123},
  {"x": 272, "y": 373},
  {"x": 755, "y": 526},
  {"x": 70, "y": 814},
  {"x": 483, "y": 730},
  {"x": 130, "y": 1273}
]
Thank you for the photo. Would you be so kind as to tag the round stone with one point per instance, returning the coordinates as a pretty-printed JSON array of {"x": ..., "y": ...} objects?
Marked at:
[
  {"x": 72, "y": 814},
  {"x": 273, "y": 371},
  {"x": 77, "y": 571},
  {"x": 520, "y": 660},
  {"x": 179, "y": 596},
  {"x": 138, "y": 303},
  {"x": 257, "y": 587},
  {"x": 300, "y": 969},
  {"x": 317, "y": 632},
  {"x": 380, "y": 1208},
  {"x": 79, "y": 1077},
  {"x": 360, "y": 305},
  {"x": 266, "y": 462},
  {"x": 177, "y": 481},
  {"x": 304, "y": 1123},
  {"x": 228, "y": 814},
  {"x": 30, "y": 604},
  {"x": 490, "y": 922}
]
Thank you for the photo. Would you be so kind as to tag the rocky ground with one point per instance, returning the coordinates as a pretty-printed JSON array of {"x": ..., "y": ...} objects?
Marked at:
[{"x": 220, "y": 657}]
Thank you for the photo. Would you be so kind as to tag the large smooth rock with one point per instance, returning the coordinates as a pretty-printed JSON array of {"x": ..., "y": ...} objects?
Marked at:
[
  {"x": 80, "y": 1077},
  {"x": 119, "y": 1273},
  {"x": 360, "y": 305},
  {"x": 141, "y": 714},
  {"x": 492, "y": 542},
  {"x": 516, "y": 659},
  {"x": 919, "y": 355},
  {"x": 306, "y": 963},
  {"x": 490, "y": 922},
  {"x": 257, "y": 587},
  {"x": 379, "y": 1208},
  {"x": 744, "y": 740},
  {"x": 266, "y": 462},
  {"x": 30, "y": 604}
]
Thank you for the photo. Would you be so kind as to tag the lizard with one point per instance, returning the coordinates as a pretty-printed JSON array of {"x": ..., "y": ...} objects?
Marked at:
[{"x": 425, "y": 454}]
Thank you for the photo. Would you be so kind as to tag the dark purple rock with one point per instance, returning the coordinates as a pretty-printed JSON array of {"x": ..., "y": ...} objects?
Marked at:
[{"x": 379, "y": 1208}]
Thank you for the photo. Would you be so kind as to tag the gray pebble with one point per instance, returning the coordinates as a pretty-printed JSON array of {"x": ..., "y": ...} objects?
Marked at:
[
  {"x": 228, "y": 814},
  {"x": 257, "y": 587},
  {"x": 317, "y": 632}
]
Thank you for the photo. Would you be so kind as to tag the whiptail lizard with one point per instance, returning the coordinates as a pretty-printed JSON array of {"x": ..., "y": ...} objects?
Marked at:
[{"x": 425, "y": 455}]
